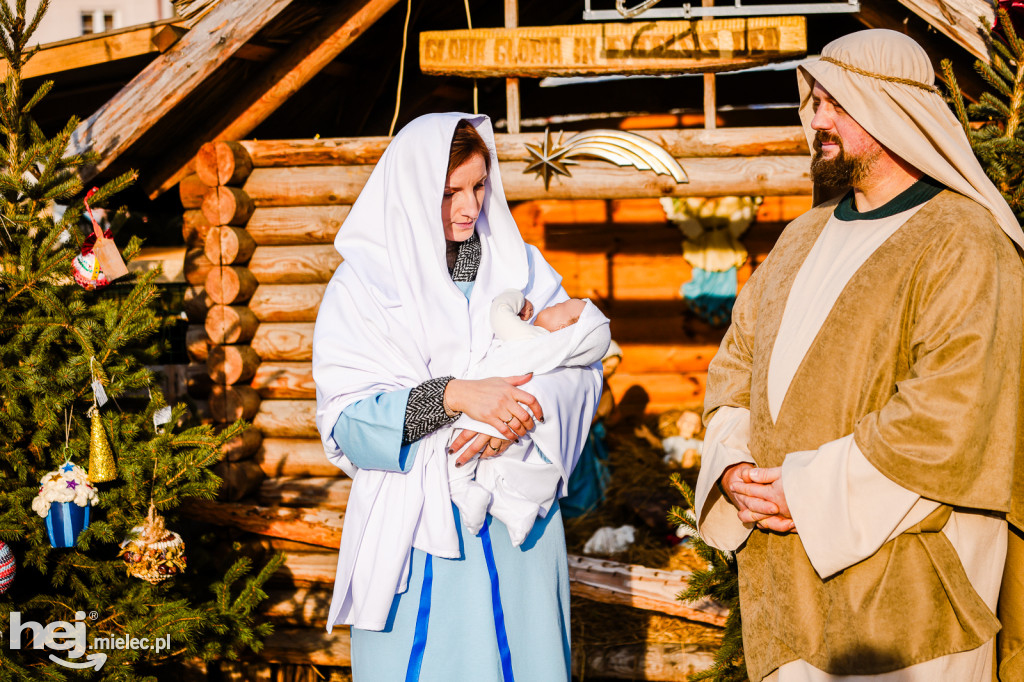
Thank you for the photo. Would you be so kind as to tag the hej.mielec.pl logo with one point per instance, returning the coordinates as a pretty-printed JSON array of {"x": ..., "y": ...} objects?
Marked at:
[{"x": 71, "y": 637}]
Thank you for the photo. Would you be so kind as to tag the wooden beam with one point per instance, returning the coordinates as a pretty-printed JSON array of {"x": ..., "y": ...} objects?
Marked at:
[
  {"x": 300, "y": 491},
  {"x": 652, "y": 589},
  {"x": 262, "y": 95},
  {"x": 168, "y": 79},
  {"x": 287, "y": 419},
  {"x": 964, "y": 21},
  {"x": 709, "y": 177},
  {"x": 305, "y": 647},
  {"x": 320, "y": 527},
  {"x": 634, "y": 47},
  {"x": 512, "y": 84},
  {"x": 682, "y": 144},
  {"x": 78, "y": 53}
]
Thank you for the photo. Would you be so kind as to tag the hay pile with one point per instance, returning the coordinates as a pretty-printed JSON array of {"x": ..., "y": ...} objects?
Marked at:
[{"x": 639, "y": 493}]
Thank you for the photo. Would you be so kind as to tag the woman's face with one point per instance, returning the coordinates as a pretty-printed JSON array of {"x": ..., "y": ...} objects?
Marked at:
[{"x": 463, "y": 198}]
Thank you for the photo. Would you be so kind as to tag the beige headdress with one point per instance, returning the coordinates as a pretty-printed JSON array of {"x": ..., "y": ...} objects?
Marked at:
[{"x": 886, "y": 82}]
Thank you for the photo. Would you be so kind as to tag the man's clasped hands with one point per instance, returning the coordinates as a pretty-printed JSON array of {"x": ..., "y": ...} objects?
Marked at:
[{"x": 758, "y": 494}]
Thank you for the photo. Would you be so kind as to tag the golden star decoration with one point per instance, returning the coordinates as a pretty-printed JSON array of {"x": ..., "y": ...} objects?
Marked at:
[{"x": 547, "y": 159}]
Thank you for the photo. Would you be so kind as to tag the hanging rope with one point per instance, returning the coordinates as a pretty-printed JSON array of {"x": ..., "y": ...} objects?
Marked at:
[
  {"x": 401, "y": 67},
  {"x": 476, "y": 90}
]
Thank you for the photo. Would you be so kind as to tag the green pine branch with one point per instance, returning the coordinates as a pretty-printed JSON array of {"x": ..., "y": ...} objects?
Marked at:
[
  {"x": 719, "y": 582},
  {"x": 993, "y": 124}
]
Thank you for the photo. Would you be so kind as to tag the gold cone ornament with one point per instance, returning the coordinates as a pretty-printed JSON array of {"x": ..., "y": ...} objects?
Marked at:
[{"x": 101, "y": 458}]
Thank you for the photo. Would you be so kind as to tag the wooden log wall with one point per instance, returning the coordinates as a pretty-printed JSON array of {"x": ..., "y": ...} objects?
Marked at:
[{"x": 259, "y": 226}]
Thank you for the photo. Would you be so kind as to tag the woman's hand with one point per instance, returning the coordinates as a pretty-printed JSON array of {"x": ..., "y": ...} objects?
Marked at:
[
  {"x": 495, "y": 401},
  {"x": 481, "y": 444}
]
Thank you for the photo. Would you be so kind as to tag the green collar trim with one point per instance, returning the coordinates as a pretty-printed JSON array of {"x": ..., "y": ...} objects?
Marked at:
[{"x": 921, "y": 191}]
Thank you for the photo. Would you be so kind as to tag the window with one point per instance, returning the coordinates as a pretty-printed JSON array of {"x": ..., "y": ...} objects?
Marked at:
[{"x": 99, "y": 21}]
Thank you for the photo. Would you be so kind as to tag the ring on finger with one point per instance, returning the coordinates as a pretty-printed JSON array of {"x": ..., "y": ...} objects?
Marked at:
[
  {"x": 509, "y": 419},
  {"x": 494, "y": 447}
]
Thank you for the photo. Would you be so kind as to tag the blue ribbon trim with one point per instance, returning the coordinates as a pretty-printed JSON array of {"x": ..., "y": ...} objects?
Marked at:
[
  {"x": 69, "y": 531},
  {"x": 419, "y": 640},
  {"x": 499, "y": 615}
]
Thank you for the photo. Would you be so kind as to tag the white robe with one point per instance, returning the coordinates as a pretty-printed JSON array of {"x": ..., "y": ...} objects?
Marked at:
[{"x": 843, "y": 507}]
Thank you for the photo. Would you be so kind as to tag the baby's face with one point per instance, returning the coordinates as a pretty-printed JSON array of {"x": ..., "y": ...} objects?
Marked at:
[{"x": 561, "y": 315}]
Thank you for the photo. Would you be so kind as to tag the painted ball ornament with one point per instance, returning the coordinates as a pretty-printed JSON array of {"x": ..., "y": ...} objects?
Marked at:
[{"x": 7, "y": 566}]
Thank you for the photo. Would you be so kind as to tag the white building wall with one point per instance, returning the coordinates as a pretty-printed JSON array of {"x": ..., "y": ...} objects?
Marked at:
[{"x": 63, "y": 19}]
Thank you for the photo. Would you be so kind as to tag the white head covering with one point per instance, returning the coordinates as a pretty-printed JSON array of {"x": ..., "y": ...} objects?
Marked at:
[
  {"x": 392, "y": 318},
  {"x": 885, "y": 81}
]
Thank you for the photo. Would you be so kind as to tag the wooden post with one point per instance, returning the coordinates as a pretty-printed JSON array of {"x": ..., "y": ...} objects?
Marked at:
[
  {"x": 710, "y": 105},
  {"x": 512, "y": 84}
]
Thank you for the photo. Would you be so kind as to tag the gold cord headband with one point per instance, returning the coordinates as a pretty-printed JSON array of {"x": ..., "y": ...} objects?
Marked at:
[{"x": 890, "y": 79}]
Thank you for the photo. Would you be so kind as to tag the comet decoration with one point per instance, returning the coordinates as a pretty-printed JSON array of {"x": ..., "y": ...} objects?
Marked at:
[{"x": 615, "y": 146}]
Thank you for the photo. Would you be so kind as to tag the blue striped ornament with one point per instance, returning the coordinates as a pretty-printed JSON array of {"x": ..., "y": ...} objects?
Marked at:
[
  {"x": 7, "y": 566},
  {"x": 64, "y": 522}
]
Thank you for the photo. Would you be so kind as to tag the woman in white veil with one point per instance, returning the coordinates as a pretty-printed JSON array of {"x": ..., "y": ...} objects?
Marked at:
[{"x": 427, "y": 246}]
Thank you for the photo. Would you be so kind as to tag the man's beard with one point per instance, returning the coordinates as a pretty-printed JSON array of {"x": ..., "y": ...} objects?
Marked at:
[{"x": 842, "y": 170}]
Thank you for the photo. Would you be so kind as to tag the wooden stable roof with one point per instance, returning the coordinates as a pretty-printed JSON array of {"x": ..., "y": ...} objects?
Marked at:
[{"x": 243, "y": 66}]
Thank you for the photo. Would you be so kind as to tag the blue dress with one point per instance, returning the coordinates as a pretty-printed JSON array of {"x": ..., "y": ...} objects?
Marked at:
[{"x": 498, "y": 613}]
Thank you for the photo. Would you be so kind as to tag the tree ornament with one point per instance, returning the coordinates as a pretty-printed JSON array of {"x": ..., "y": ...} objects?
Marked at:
[
  {"x": 7, "y": 566},
  {"x": 101, "y": 458},
  {"x": 64, "y": 500},
  {"x": 86, "y": 270},
  {"x": 151, "y": 552}
]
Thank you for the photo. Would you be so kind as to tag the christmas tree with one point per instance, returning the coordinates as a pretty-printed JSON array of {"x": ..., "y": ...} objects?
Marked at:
[
  {"x": 993, "y": 125},
  {"x": 75, "y": 389}
]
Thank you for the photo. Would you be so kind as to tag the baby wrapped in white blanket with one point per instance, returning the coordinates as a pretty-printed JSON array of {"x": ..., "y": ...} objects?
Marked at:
[{"x": 521, "y": 485}]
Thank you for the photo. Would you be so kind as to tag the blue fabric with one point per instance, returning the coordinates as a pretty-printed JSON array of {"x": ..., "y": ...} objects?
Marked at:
[
  {"x": 462, "y": 642},
  {"x": 369, "y": 432},
  {"x": 589, "y": 479},
  {"x": 711, "y": 294},
  {"x": 419, "y": 640},
  {"x": 499, "y": 615}
]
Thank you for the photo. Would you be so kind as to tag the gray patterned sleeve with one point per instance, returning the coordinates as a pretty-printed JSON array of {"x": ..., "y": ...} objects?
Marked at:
[{"x": 424, "y": 412}]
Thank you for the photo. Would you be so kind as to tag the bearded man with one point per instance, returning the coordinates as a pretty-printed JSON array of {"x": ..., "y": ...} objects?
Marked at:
[{"x": 863, "y": 411}]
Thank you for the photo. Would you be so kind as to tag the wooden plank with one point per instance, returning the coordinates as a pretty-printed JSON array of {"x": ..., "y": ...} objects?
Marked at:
[
  {"x": 170, "y": 260},
  {"x": 295, "y": 457},
  {"x": 304, "y": 606},
  {"x": 320, "y": 527},
  {"x": 168, "y": 79},
  {"x": 723, "y": 176},
  {"x": 260, "y": 96},
  {"x": 633, "y": 47},
  {"x": 296, "y": 225},
  {"x": 614, "y": 582},
  {"x": 90, "y": 50},
  {"x": 964, "y": 21},
  {"x": 287, "y": 302},
  {"x": 291, "y": 341},
  {"x": 299, "y": 491},
  {"x": 287, "y": 419},
  {"x": 664, "y": 662},
  {"x": 308, "y": 647},
  {"x": 304, "y": 264},
  {"x": 348, "y": 151},
  {"x": 289, "y": 380}
]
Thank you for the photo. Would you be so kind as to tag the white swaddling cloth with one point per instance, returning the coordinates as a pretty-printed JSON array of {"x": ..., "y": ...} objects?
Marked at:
[{"x": 521, "y": 485}]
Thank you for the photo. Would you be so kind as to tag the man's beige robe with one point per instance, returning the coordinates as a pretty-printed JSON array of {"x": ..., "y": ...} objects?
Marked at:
[{"x": 919, "y": 359}]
